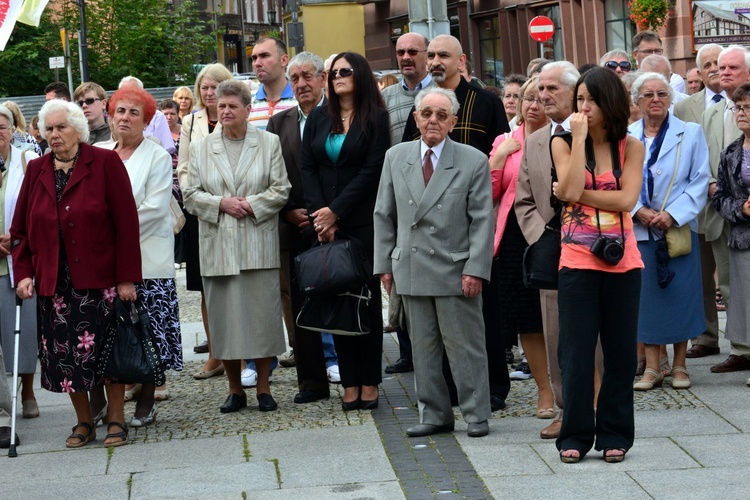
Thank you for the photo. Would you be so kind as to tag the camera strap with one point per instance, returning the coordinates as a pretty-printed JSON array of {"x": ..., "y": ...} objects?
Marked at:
[{"x": 616, "y": 171}]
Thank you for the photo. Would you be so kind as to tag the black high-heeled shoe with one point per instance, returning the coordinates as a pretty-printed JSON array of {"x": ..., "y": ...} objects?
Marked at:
[
  {"x": 351, "y": 405},
  {"x": 369, "y": 405}
]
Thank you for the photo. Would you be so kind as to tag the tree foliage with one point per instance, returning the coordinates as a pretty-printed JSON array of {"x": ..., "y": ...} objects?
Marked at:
[{"x": 149, "y": 39}]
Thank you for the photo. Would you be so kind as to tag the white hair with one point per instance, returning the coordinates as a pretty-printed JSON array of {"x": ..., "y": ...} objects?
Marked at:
[
  {"x": 130, "y": 78},
  {"x": 614, "y": 53},
  {"x": 708, "y": 46},
  {"x": 448, "y": 94},
  {"x": 569, "y": 75},
  {"x": 736, "y": 48},
  {"x": 76, "y": 118},
  {"x": 635, "y": 90}
]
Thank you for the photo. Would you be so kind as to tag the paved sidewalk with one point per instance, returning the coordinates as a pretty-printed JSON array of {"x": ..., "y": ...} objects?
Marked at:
[{"x": 689, "y": 444}]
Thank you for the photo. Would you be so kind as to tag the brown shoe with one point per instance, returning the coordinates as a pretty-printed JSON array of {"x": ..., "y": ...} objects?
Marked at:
[
  {"x": 733, "y": 363},
  {"x": 552, "y": 430},
  {"x": 701, "y": 351}
]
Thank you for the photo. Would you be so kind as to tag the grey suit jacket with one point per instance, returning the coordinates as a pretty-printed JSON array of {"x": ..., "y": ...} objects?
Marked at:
[
  {"x": 532, "y": 205},
  {"x": 691, "y": 109},
  {"x": 713, "y": 125},
  {"x": 445, "y": 230}
]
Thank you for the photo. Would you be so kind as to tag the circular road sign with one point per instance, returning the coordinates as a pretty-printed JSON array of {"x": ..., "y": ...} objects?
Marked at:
[{"x": 541, "y": 29}]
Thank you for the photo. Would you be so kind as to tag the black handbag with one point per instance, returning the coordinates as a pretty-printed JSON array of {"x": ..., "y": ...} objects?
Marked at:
[
  {"x": 343, "y": 314},
  {"x": 541, "y": 259},
  {"x": 332, "y": 268},
  {"x": 130, "y": 353}
]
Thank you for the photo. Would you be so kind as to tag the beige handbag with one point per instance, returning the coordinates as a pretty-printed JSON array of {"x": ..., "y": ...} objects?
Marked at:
[
  {"x": 679, "y": 239},
  {"x": 178, "y": 218}
]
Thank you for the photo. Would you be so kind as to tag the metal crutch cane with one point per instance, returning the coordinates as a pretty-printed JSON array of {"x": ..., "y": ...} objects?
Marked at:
[{"x": 16, "y": 344}]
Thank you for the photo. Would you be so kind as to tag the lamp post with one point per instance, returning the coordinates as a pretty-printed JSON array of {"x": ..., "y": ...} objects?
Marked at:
[{"x": 83, "y": 45}]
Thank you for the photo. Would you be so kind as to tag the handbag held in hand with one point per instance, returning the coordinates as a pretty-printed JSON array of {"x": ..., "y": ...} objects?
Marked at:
[
  {"x": 130, "y": 353},
  {"x": 343, "y": 314},
  {"x": 332, "y": 268}
]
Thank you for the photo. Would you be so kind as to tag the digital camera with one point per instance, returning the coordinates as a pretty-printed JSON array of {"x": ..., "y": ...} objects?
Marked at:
[{"x": 610, "y": 250}]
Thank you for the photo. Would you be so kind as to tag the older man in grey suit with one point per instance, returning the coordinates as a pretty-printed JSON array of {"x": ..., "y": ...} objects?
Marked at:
[
  {"x": 433, "y": 236},
  {"x": 691, "y": 110},
  {"x": 718, "y": 123}
]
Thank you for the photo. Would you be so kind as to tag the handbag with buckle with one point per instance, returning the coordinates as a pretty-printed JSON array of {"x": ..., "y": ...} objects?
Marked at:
[
  {"x": 130, "y": 353},
  {"x": 333, "y": 268}
]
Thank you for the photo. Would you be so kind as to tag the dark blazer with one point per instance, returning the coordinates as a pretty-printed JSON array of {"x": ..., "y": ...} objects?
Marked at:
[
  {"x": 731, "y": 193},
  {"x": 286, "y": 126},
  {"x": 96, "y": 214},
  {"x": 348, "y": 186}
]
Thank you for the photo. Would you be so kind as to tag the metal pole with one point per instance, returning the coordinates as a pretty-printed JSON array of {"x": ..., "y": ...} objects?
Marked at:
[
  {"x": 243, "y": 49},
  {"x": 470, "y": 31},
  {"x": 69, "y": 66},
  {"x": 216, "y": 32},
  {"x": 430, "y": 21},
  {"x": 83, "y": 44}
]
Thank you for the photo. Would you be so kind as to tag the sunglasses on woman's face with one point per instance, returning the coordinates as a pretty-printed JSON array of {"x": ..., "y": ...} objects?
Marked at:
[
  {"x": 624, "y": 65},
  {"x": 342, "y": 72}
]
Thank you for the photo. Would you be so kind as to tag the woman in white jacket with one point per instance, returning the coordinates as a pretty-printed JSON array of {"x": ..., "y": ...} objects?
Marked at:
[
  {"x": 150, "y": 169},
  {"x": 13, "y": 161}
]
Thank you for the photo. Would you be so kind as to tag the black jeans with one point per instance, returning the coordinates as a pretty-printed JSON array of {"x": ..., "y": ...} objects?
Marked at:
[{"x": 596, "y": 304}]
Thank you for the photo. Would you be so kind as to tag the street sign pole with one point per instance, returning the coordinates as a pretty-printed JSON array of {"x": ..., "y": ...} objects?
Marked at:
[{"x": 541, "y": 29}]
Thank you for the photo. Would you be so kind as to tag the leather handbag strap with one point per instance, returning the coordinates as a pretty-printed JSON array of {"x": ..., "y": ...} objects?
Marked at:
[{"x": 674, "y": 174}]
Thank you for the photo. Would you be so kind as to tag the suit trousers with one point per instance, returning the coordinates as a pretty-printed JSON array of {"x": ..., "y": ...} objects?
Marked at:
[
  {"x": 597, "y": 304},
  {"x": 452, "y": 325},
  {"x": 360, "y": 357},
  {"x": 308, "y": 348},
  {"x": 6, "y": 405},
  {"x": 720, "y": 249},
  {"x": 708, "y": 265}
]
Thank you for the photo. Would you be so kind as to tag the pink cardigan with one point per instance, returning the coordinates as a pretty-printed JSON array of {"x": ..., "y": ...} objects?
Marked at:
[{"x": 504, "y": 182}]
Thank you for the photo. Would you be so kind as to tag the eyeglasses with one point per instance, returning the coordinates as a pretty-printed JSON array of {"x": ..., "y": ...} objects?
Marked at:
[
  {"x": 624, "y": 65},
  {"x": 648, "y": 52},
  {"x": 744, "y": 108},
  {"x": 662, "y": 94},
  {"x": 89, "y": 101},
  {"x": 531, "y": 100},
  {"x": 342, "y": 72},
  {"x": 411, "y": 52},
  {"x": 427, "y": 114}
]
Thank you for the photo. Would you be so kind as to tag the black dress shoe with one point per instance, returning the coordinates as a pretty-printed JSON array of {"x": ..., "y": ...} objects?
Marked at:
[
  {"x": 309, "y": 396},
  {"x": 234, "y": 402},
  {"x": 368, "y": 405},
  {"x": 351, "y": 405},
  {"x": 266, "y": 402},
  {"x": 201, "y": 348},
  {"x": 701, "y": 351},
  {"x": 400, "y": 366},
  {"x": 496, "y": 402},
  {"x": 478, "y": 429},
  {"x": 428, "y": 429},
  {"x": 5, "y": 437}
]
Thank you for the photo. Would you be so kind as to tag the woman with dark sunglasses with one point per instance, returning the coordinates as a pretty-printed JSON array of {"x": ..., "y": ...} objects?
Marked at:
[
  {"x": 616, "y": 60},
  {"x": 343, "y": 149}
]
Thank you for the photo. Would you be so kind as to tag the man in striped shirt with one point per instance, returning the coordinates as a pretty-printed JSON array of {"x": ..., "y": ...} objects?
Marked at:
[{"x": 275, "y": 93}]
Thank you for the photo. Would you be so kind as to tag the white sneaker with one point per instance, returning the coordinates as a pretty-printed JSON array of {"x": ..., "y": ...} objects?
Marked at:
[
  {"x": 522, "y": 371},
  {"x": 249, "y": 377},
  {"x": 333, "y": 374}
]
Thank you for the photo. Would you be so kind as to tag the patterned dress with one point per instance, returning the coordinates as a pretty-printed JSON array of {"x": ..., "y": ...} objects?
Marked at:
[
  {"x": 72, "y": 325},
  {"x": 160, "y": 298}
]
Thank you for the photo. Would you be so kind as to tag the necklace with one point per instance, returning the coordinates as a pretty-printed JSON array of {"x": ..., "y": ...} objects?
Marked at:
[
  {"x": 67, "y": 160},
  {"x": 343, "y": 118},
  {"x": 71, "y": 160}
]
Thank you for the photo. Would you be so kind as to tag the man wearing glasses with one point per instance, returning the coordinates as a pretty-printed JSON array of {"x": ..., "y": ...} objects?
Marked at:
[
  {"x": 92, "y": 98},
  {"x": 648, "y": 43},
  {"x": 433, "y": 237},
  {"x": 411, "y": 54},
  {"x": 718, "y": 124}
]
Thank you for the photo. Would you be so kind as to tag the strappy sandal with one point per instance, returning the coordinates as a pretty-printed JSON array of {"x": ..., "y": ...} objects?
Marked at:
[
  {"x": 122, "y": 436},
  {"x": 613, "y": 459},
  {"x": 82, "y": 440},
  {"x": 570, "y": 460}
]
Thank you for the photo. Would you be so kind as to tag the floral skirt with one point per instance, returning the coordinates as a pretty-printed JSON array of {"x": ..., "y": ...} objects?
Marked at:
[
  {"x": 72, "y": 326},
  {"x": 160, "y": 298}
]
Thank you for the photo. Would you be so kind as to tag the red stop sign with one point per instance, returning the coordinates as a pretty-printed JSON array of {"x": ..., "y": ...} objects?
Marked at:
[{"x": 541, "y": 29}]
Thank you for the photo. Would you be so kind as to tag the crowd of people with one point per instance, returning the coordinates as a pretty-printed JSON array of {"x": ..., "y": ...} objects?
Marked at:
[{"x": 444, "y": 182}]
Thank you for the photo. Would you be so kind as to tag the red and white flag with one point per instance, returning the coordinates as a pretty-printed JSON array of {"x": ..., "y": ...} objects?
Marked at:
[{"x": 9, "y": 10}]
